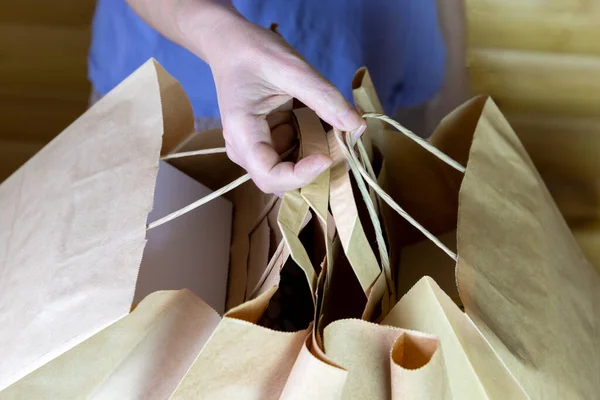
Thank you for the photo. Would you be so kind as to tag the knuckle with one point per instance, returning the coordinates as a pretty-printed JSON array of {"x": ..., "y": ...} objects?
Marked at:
[
  {"x": 227, "y": 136},
  {"x": 264, "y": 186},
  {"x": 230, "y": 149},
  {"x": 232, "y": 154},
  {"x": 289, "y": 63},
  {"x": 233, "y": 157},
  {"x": 293, "y": 64}
]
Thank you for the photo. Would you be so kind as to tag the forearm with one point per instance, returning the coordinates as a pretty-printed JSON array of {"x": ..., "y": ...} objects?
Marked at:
[{"x": 193, "y": 24}]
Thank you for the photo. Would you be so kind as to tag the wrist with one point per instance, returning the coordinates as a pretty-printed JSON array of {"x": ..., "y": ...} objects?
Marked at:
[{"x": 202, "y": 25}]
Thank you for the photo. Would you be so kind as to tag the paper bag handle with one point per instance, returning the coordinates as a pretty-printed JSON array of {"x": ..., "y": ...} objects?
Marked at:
[
  {"x": 347, "y": 145},
  {"x": 356, "y": 165},
  {"x": 345, "y": 214},
  {"x": 338, "y": 195},
  {"x": 296, "y": 203}
]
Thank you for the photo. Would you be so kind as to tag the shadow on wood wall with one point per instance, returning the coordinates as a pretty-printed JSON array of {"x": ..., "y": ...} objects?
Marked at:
[{"x": 43, "y": 73}]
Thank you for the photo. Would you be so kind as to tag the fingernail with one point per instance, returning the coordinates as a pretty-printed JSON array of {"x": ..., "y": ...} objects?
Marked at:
[
  {"x": 350, "y": 120},
  {"x": 356, "y": 134}
]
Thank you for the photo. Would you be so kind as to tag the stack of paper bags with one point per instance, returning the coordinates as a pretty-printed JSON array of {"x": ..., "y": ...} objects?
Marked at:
[{"x": 531, "y": 298}]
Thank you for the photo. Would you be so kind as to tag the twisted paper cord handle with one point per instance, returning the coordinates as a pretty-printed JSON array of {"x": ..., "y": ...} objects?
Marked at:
[
  {"x": 217, "y": 193},
  {"x": 359, "y": 167},
  {"x": 347, "y": 146}
]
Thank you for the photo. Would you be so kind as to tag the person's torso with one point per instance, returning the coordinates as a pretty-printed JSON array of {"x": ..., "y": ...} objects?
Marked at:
[{"x": 398, "y": 40}]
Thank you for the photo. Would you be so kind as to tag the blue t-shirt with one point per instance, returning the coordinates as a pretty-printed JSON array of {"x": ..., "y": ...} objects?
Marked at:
[{"x": 398, "y": 40}]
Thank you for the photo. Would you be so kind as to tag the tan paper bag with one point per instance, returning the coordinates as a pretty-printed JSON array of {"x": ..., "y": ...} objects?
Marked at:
[
  {"x": 135, "y": 346},
  {"x": 522, "y": 278},
  {"x": 255, "y": 234},
  {"x": 245, "y": 360},
  {"x": 73, "y": 221},
  {"x": 501, "y": 345},
  {"x": 524, "y": 305},
  {"x": 356, "y": 359},
  {"x": 142, "y": 356}
]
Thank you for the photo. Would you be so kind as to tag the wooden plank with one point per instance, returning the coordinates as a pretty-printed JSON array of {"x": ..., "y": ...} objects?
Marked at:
[
  {"x": 536, "y": 6},
  {"x": 43, "y": 73},
  {"x": 566, "y": 152},
  {"x": 568, "y": 144},
  {"x": 50, "y": 91},
  {"x": 33, "y": 42},
  {"x": 37, "y": 119},
  {"x": 13, "y": 154},
  {"x": 542, "y": 31},
  {"x": 44, "y": 61},
  {"x": 541, "y": 82},
  {"x": 55, "y": 12},
  {"x": 51, "y": 77}
]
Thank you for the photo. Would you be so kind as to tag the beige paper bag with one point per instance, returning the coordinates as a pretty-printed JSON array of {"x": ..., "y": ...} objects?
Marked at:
[
  {"x": 474, "y": 371},
  {"x": 386, "y": 362},
  {"x": 255, "y": 234},
  {"x": 505, "y": 343},
  {"x": 243, "y": 359},
  {"x": 523, "y": 279},
  {"x": 133, "y": 367},
  {"x": 144, "y": 355},
  {"x": 239, "y": 320},
  {"x": 73, "y": 218},
  {"x": 186, "y": 253},
  {"x": 358, "y": 359},
  {"x": 525, "y": 297}
]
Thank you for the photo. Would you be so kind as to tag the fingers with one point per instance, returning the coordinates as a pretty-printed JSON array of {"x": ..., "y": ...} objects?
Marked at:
[
  {"x": 303, "y": 82},
  {"x": 260, "y": 81},
  {"x": 250, "y": 144},
  {"x": 271, "y": 175}
]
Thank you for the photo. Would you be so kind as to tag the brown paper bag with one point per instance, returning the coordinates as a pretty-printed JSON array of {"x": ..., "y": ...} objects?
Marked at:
[
  {"x": 313, "y": 196},
  {"x": 358, "y": 359},
  {"x": 243, "y": 359},
  {"x": 75, "y": 228},
  {"x": 255, "y": 234},
  {"x": 515, "y": 303},
  {"x": 514, "y": 252},
  {"x": 486, "y": 347},
  {"x": 387, "y": 362},
  {"x": 346, "y": 367},
  {"x": 126, "y": 373},
  {"x": 73, "y": 221},
  {"x": 144, "y": 355}
]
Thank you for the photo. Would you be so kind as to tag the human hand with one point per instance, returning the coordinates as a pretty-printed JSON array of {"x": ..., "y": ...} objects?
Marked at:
[{"x": 255, "y": 73}]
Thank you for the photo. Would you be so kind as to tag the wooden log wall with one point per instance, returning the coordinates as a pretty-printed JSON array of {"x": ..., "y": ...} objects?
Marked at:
[
  {"x": 540, "y": 61},
  {"x": 43, "y": 81},
  {"x": 537, "y": 57}
]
